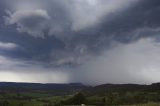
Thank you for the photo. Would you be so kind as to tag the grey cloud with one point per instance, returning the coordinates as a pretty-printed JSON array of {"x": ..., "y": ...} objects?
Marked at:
[
  {"x": 34, "y": 77},
  {"x": 71, "y": 57},
  {"x": 65, "y": 16},
  {"x": 105, "y": 41},
  {"x": 34, "y": 22},
  {"x": 88, "y": 13},
  {"x": 30, "y": 71},
  {"x": 137, "y": 62},
  {"x": 81, "y": 49}
]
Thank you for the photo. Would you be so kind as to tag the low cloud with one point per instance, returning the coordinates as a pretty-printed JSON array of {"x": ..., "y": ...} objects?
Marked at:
[
  {"x": 40, "y": 77},
  {"x": 8, "y": 45},
  {"x": 75, "y": 56},
  {"x": 137, "y": 62},
  {"x": 14, "y": 70}
]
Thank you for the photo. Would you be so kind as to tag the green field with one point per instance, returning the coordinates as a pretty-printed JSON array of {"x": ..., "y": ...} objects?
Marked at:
[
  {"x": 40, "y": 99},
  {"x": 29, "y": 99},
  {"x": 22, "y": 94}
]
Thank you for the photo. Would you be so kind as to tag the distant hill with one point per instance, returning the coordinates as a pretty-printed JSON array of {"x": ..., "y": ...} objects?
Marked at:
[
  {"x": 55, "y": 89},
  {"x": 120, "y": 88},
  {"x": 72, "y": 88},
  {"x": 77, "y": 93}
]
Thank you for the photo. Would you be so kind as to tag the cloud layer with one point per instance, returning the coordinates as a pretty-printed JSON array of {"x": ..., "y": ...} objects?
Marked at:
[
  {"x": 88, "y": 41},
  {"x": 38, "y": 20},
  {"x": 137, "y": 62},
  {"x": 14, "y": 70}
]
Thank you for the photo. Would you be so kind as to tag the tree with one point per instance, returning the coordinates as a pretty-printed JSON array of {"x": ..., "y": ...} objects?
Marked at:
[
  {"x": 5, "y": 103},
  {"x": 77, "y": 99}
]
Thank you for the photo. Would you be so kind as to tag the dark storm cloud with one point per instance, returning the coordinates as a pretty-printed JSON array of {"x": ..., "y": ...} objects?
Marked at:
[
  {"x": 64, "y": 15},
  {"x": 105, "y": 39},
  {"x": 143, "y": 15}
]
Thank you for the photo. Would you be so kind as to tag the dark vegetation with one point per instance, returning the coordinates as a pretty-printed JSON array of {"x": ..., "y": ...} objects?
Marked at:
[
  {"x": 122, "y": 94},
  {"x": 31, "y": 94}
]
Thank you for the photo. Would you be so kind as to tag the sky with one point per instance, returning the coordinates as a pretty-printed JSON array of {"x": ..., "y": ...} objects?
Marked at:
[{"x": 86, "y": 41}]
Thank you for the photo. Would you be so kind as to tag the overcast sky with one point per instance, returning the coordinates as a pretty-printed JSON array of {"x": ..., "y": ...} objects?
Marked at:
[{"x": 87, "y": 41}]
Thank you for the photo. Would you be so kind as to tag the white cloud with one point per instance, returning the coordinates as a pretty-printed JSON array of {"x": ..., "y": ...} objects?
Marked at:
[
  {"x": 9, "y": 45},
  {"x": 34, "y": 22}
]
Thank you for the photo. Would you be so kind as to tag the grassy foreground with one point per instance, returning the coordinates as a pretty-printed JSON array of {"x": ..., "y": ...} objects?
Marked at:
[
  {"x": 40, "y": 99},
  {"x": 22, "y": 94}
]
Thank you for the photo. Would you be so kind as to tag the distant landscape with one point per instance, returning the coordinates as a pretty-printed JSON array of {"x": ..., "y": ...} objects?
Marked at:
[
  {"x": 36, "y": 94},
  {"x": 79, "y": 52}
]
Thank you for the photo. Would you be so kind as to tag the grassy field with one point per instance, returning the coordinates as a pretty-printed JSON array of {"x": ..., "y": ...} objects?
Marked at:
[
  {"x": 40, "y": 99},
  {"x": 29, "y": 99},
  {"x": 14, "y": 94}
]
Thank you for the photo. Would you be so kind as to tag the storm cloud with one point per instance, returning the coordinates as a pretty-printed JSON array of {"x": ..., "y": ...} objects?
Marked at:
[
  {"x": 36, "y": 18},
  {"x": 137, "y": 62},
  {"x": 88, "y": 41}
]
